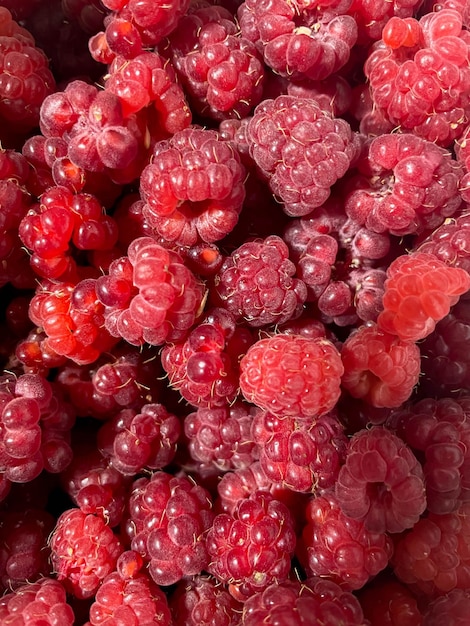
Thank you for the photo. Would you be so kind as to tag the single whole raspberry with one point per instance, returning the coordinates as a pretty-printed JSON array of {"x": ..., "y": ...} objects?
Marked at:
[
  {"x": 252, "y": 548},
  {"x": 292, "y": 375},
  {"x": 257, "y": 283},
  {"x": 419, "y": 291},
  {"x": 84, "y": 550},
  {"x": 340, "y": 548},
  {"x": 301, "y": 149},
  {"x": 379, "y": 367},
  {"x": 387, "y": 602},
  {"x": 193, "y": 188},
  {"x": 452, "y": 609},
  {"x": 381, "y": 482}
]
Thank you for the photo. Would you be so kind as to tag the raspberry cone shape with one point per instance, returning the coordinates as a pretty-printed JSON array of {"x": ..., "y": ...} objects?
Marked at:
[
  {"x": 43, "y": 603},
  {"x": 419, "y": 291},
  {"x": 408, "y": 185},
  {"x": 193, "y": 188},
  {"x": 256, "y": 283},
  {"x": 379, "y": 367},
  {"x": 302, "y": 454},
  {"x": 252, "y": 548},
  {"x": 381, "y": 482},
  {"x": 434, "y": 557},
  {"x": 167, "y": 524},
  {"x": 149, "y": 295},
  {"x": 84, "y": 550},
  {"x": 452, "y": 609},
  {"x": 301, "y": 149},
  {"x": 292, "y": 375},
  {"x": 387, "y": 602},
  {"x": 340, "y": 548}
]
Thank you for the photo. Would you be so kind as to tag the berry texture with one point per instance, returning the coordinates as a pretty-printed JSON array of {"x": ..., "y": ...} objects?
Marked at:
[
  {"x": 381, "y": 482},
  {"x": 292, "y": 376},
  {"x": 387, "y": 602},
  {"x": 452, "y": 608}
]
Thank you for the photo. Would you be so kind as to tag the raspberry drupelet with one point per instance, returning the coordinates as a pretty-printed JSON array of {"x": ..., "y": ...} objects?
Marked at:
[
  {"x": 452, "y": 608},
  {"x": 387, "y": 602}
]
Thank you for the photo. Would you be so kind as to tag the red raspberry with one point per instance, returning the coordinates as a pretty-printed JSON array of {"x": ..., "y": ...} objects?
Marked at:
[
  {"x": 371, "y": 17},
  {"x": 450, "y": 242},
  {"x": 312, "y": 601},
  {"x": 419, "y": 291},
  {"x": 387, "y": 602},
  {"x": 301, "y": 149},
  {"x": 301, "y": 454},
  {"x": 203, "y": 601},
  {"x": 381, "y": 482},
  {"x": 43, "y": 602},
  {"x": 408, "y": 185},
  {"x": 256, "y": 283},
  {"x": 252, "y": 548},
  {"x": 340, "y": 548},
  {"x": 168, "y": 520},
  {"x": 434, "y": 556},
  {"x": 292, "y": 375},
  {"x": 84, "y": 550},
  {"x": 452, "y": 609},
  {"x": 379, "y": 367},
  {"x": 193, "y": 188}
]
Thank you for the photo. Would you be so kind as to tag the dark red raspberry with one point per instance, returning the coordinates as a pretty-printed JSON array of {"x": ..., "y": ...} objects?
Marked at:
[
  {"x": 340, "y": 548},
  {"x": 193, "y": 188},
  {"x": 167, "y": 524},
  {"x": 257, "y": 283},
  {"x": 407, "y": 185},
  {"x": 203, "y": 601},
  {"x": 252, "y": 548},
  {"x": 292, "y": 375},
  {"x": 301, "y": 149},
  {"x": 379, "y": 367},
  {"x": 371, "y": 17},
  {"x": 43, "y": 602},
  {"x": 302, "y": 454},
  {"x": 419, "y": 291},
  {"x": 452, "y": 609},
  {"x": 387, "y": 602},
  {"x": 381, "y": 482},
  {"x": 434, "y": 556},
  {"x": 84, "y": 550}
]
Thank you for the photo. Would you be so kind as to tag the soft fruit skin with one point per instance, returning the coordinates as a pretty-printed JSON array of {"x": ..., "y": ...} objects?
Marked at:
[
  {"x": 387, "y": 602},
  {"x": 42, "y": 603},
  {"x": 257, "y": 283},
  {"x": 381, "y": 482},
  {"x": 301, "y": 149},
  {"x": 252, "y": 548},
  {"x": 291, "y": 375},
  {"x": 419, "y": 291},
  {"x": 167, "y": 522},
  {"x": 340, "y": 548},
  {"x": 193, "y": 188},
  {"x": 451, "y": 609},
  {"x": 379, "y": 367}
]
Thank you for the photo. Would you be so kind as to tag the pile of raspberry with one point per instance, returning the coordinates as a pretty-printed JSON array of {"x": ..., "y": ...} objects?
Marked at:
[{"x": 234, "y": 312}]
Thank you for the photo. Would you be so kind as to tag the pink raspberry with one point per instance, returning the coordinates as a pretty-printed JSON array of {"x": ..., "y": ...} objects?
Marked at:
[
  {"x": 257, "y": 283},
  {"x": 419, "y": 291},
  {"x": 452, "y": 609},
  {"x": 252, "y": 548},
  {"x": 340, "y": 548},
  {"x": 381, "y": 482},
  {"x": 292, "y": 375},
  {"x": 193, "y": 188},
  {"x": 450, "y": 242},
  {"x": 301, "y": 149},
  {"x": 379, "y": 367}
]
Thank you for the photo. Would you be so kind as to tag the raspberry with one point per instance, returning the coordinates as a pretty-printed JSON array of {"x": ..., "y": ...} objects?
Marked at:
[
  {"x": 84, "y": 550},
  {"x": 340, "y": 548},
  {"x": 371, "y": 18},
  {"x": 202, "y": 601},
  {"x": 452, "y": 609},
  {"x": 252, "y": 548},
  {"x": 256, "y": 283},
  {"x": 313, "y": 601},
  {"x": 409, "y": 185},
  {"x": 292, "y": 375},
  {"x": 379, "y": 367},
  {"x": 433, "y": 557},
  {"x": 419, "y": 291},
  {"x": 301, "y": 149},
  {"x": 302, "y": 454},
  {"x": 168, "y": 520},
  {"x": 439, "y": 431},
  {"x": 449, "y": 242},
  {"x": 381, "y": 482},
  {"x": 387, "y": 602},
  {"x": 42, "y": 603},
  {"x": 193, "y": 189}
]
